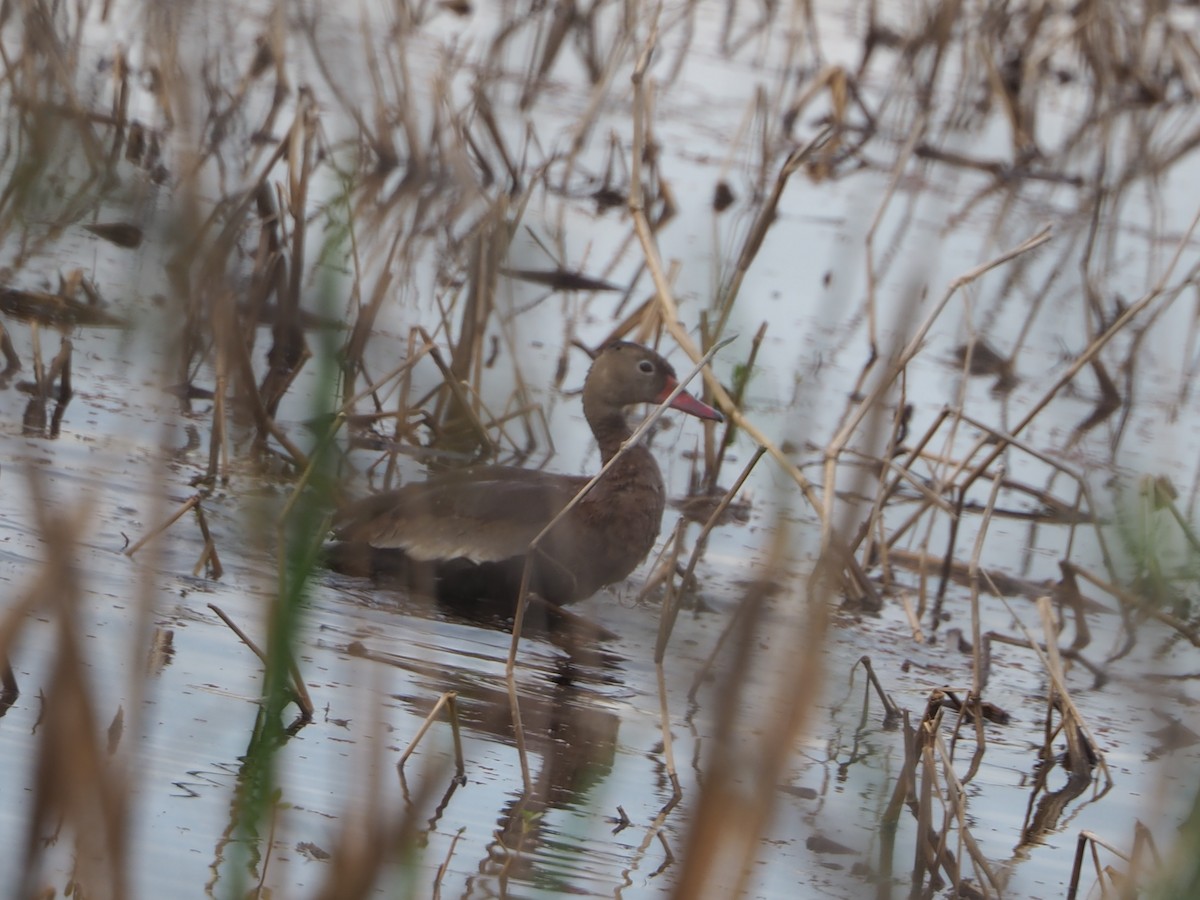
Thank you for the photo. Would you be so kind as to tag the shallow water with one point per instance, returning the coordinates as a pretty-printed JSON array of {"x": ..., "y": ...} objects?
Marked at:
[{"x": 375, "y": 661}]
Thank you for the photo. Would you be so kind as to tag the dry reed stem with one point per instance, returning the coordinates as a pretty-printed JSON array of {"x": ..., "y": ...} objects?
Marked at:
[
  {"x": 973, "y": 575},
  {"x": 767, "y": 214},
  {"x": 1053, "y": 666},
  {"x": 1084, "y": 358},
  {"x": 910, "y": 350},
  {"x": 445, "y": 865},
  {"x": 299, "y": 688},
  {"x": 932, "y": 853},
  {"x": 890, "y": 710},
  {"x": 219, "y": 443},
  {"x": 673, "y": 604},
  {"x": 190, "y": 503},
  {"x": 1099, "y": 673},
  {"x": 898, "y": 171},
  {"x": 970, "y": 710},
  {"x": 886, "y": 464},
  {"x": 1004, "y": 438},
  {"x": 670, "y": 318},
  {"x": 958, "y": 807},
  {"x": 914, "y": 619},
  {"x": 514, "y": 704},
  {"x": 454, "y": 381},
  {"x": 449, "y": 700},
  {"x": 1134, "y": 603},
  {"x": 713, "y": 470},
  {"x": 662, "y": 575},
  {"x": 1089, "y": 840},
  {"x": 209, "y": 558},
  {"x": 910, "y": 458},
  {"x": 265, "y": 423},
  {"x": 923, "y": 861},
  {"x": 664, "y": 718}
]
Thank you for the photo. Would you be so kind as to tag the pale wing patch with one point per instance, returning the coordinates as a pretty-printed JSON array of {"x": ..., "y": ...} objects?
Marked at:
[{"x": 430, "y": 539}]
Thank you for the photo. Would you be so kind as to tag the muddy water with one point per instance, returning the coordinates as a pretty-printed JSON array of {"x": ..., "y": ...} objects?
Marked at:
[{"x": 376, "y": 661}]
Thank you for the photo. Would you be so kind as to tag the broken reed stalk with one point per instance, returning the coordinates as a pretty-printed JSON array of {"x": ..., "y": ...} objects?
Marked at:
[
  {"x": 1099, "y": 673},
  {"x": 208, "y": 557},
  {"x": 923, "y": 861},
  {"x": 218, "y": 443},
  {"x": 458, "y": 390},
  {"x": 448, "y": 700},
  {"x": 299, "y": 688},
  {"x": 289, "y": 349},
  {"x": 1132, "y": 602},
  {"x": 912, "y": 615},
  {"x": 894, "y": 180},
  {"x": 402, "y": 369},
  {"x": 767, "y": 214},
  {"x": 891, "y": 711},
  {"x": 664, "y": 714},
  {"x": 971, "y": 711},
  {"x": 662, "y": 574},
  {"x": 191, "y": 502},
  {"x": 445, "y": 865},
  {"x": 1053, "y": 666},
  {"x": 932, "y": 855},
  {"x": 1089, "y": 840},
  {"x": 673, "y": 604},
  {"x": 977, "y": 682},
  {"x": 1079, "y": 757},
  {"x": 958, "y": 809},
  {"x": 872, "y": 529},
  {"x": 514, "y": 703}
]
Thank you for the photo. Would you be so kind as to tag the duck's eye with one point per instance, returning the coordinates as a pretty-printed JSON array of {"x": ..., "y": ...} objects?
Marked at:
[{"x": 646, "y": 367}]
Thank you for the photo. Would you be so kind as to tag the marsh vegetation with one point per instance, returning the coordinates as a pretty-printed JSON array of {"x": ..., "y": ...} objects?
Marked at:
[{"x": 923, "y": 620}]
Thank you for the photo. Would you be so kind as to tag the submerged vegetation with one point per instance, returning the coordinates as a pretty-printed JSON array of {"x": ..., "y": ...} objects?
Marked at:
[{"x": 941, "y": 305}]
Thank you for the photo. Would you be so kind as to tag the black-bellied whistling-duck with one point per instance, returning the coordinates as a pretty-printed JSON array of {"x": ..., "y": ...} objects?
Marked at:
[{"x": 463, "y": 537}]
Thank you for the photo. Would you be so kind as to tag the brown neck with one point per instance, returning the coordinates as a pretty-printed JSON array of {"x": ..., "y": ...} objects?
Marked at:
[{"x": 609, "y": 426}]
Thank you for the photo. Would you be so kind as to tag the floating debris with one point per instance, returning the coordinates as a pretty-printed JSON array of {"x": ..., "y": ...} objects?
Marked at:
[
  {"x": 123, "y": 234},
  {"x": 55, "y": 310}
]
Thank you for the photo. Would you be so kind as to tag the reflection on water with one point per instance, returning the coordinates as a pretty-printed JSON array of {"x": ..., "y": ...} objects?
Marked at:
[{"x": 375, "y": 663}]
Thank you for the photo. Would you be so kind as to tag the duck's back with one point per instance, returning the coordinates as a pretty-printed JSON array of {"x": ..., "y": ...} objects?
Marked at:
[{"x": 464, "y": 536}]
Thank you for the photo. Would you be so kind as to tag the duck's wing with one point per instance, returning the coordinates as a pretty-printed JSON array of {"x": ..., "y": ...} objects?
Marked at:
[{"x": 485, "y": 514}]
